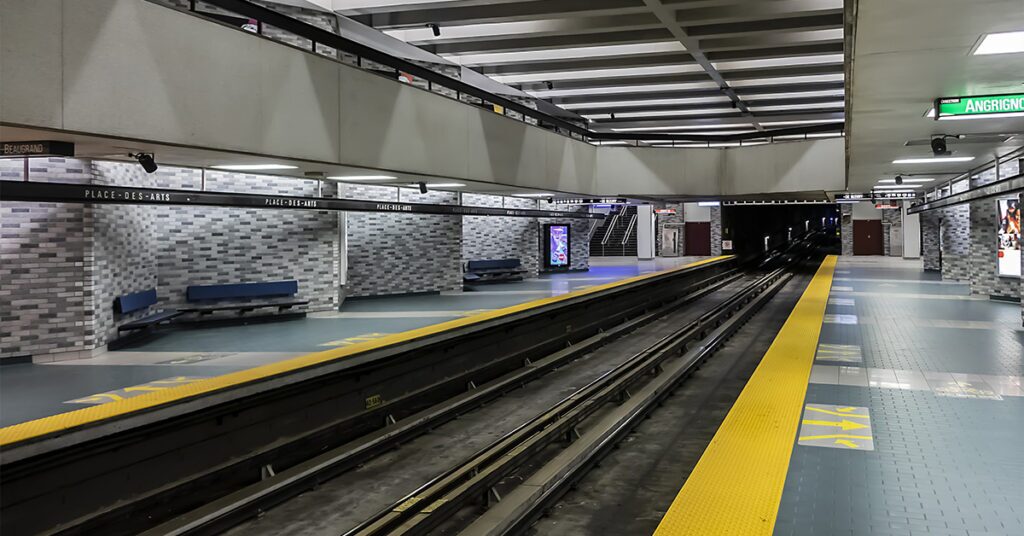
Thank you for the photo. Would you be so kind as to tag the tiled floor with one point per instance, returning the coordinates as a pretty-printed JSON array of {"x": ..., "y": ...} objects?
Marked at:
[
  {"x": 939, "y": 372},
  {"x": 37, "y": 390}
]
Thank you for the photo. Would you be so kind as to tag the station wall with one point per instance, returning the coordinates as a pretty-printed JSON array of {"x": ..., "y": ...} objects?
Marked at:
[{"x": 64, "y": 264}]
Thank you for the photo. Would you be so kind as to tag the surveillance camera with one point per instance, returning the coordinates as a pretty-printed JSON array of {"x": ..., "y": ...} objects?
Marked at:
[
  {"x": 939, "y": 146},
  {"x": 423, "y": 187},
  {"x": 435, "y": 29},
  {"x": 146, "y": 161},
  {"x": 899, "y": 179}
]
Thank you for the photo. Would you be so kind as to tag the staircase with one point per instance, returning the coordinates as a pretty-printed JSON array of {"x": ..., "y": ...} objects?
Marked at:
[{"x": 616, "y": 237}]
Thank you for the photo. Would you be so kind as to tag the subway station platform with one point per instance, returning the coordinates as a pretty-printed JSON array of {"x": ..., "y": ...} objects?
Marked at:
[
  {"x": 177, "y": 357},
  {"x": 890, "y": 403}
]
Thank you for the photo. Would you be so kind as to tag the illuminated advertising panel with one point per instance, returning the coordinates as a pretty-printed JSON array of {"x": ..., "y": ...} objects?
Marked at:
[
  {"x": 1009, "y": 237},
  {"x": 557, "y": 254}
]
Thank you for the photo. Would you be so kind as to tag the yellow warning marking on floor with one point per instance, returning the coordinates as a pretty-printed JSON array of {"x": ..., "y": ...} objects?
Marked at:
[
  {"x": 64, "y": 421},
  {"x": 844, "y": 424},
  {"x": 355, "y": 340},
  {"x": 474, "y": 312},
  {"x": 737, "y": 485},
  {"x": 136, "y": 390},
  {"x": 846, "y": 412}
]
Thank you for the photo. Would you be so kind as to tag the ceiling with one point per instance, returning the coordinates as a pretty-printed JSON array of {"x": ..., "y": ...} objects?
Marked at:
[
  {"x": 684, "y": 66},
  {"x": 907, "y": 53}
]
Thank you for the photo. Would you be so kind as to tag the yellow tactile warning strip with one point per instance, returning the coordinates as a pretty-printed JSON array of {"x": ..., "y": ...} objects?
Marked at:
[
  {"x": 736, "y": 487},
  {"x": 66, "y": 421}
]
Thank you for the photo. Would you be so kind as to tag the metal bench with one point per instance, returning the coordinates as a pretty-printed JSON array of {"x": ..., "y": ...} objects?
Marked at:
[
  {"x": 239, "y": 291},
  {"x": 138, "y": 301},
  {"x": 493, "y": 271}
]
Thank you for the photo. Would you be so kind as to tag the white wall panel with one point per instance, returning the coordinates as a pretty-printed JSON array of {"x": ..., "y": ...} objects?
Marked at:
[
  {"x": 785, "y": 167},
  {"x": 30, "y": 84}
]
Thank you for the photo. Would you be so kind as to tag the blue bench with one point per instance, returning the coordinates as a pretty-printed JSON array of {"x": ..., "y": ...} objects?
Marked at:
[
  {"x": 237, "y": 291},
  {"x": 137, "y": 301},
  {"x": 493, "y": 271}
]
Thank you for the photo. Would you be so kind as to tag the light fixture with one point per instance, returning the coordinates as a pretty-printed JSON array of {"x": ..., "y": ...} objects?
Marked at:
[
  {"x": 717, "y": 126},
  {"x": 423, "y": 185},
  {"x": 933, "y": 160},
  {"x": 253, "y": 167},
  {"x": 906, "y": 180},
  {"x": 146, "y": 161},
  {"x": 363, "y": 178},
  {"x": 534, "y": 195},
  {"x": 708, "y": 203},
  {"x": 896, "y": 187},
  {"x": 1000, "y": 43}
]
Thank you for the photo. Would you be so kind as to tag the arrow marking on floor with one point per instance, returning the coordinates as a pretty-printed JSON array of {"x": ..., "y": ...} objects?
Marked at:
[{"x": 844, "y": 424}]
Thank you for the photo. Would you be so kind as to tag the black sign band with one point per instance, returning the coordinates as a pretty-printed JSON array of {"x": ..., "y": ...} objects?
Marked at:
[
  {"x": 16, "y": 149},
  {"x": 121, "y": 195}
]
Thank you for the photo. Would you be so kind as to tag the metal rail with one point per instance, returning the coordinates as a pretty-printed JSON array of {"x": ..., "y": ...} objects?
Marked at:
[
  {"x": 249, "y": 502},
  {"x": 319, "y": 36},
  {"x": 432, "y": 504},
  {"x": 629, "y": 229}
]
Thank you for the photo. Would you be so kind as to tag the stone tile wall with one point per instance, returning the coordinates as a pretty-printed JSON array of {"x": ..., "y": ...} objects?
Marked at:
[
  {"x": 846, "y": 228},
  {"x": 891, "y": 218},
  {"x": 716, "y": 231},
  {"x": 984, "y": 278},
  {"x": 401, "y": 253},
  {"x": 930, "y": 232},
  {"x": 45, "y": 291},
  {"x": 662, "y": 220},
  {"x": 579, "y": 233},
  {"x": 485, "y": 237}
]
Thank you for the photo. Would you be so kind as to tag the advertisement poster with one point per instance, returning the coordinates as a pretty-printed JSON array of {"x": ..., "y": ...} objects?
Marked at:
[
  {"x": 1009, "y": 237},
  {"x": 558, "y": 246}
]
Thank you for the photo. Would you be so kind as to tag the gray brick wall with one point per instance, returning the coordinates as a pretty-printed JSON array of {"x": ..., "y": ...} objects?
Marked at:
[
  {"x": 579, "y": 233},
  {"x": 401, "y": 253},
  {"x": 716, "y": 231},
  {"x": 485, "y": 237},
  {"x": 846, "y": 228},
  {"x": 930, "y": 239},
  {"x": 666, "y": 219}
]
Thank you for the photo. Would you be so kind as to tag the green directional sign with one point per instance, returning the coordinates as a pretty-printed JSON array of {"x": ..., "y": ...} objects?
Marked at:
[{"x": 980, "y": 105}]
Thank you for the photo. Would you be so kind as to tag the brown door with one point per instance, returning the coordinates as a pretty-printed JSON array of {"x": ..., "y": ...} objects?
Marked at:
[
  {"x": 867, "y": 237},
  {"x": 698, "y": 238}
]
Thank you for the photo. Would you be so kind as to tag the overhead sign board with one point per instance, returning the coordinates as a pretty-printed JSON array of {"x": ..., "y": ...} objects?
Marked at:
[
  {"x": 591, "y": 201},
  {"x": 871, "y": 196},
  {"x": 19, "y": 149},
  {"x": 979, "y": 105}
]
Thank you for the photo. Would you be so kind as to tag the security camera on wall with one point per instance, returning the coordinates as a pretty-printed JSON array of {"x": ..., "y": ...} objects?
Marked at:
[
  {"x": 899, "y": 179},
  {"x": 939, "y": 146}
]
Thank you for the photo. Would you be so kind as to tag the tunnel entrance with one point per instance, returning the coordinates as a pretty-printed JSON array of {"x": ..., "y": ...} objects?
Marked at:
[{"x": 755, "y": 228}]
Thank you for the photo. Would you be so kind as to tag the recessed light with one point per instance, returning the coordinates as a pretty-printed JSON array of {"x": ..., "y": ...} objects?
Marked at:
[
  {"x": 363, "y": 178},
  {"x": 1000, "y": 43},
  {"x": 439, "y": 185},
  {"x": 933, "y": 160},
  {"x": 253, "y": 167}
]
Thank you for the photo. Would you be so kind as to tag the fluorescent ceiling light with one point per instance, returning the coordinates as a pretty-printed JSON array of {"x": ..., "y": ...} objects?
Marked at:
[
  {"x": 611, "y": 142},
  {"x": 439, "y": 185},
  {"x": 363, "y": 178},
  {"x": 778, "y": 62},
  {"x": 933, "y": 160},
  {"x": 798, "y": 122},
  {"x": 469, "y": 31},
  {"x": 896, "y": 187},
  {"x": 838, "y": 77},
  {"x": 816, "y": 106},
  {"x": 663, "y": 113},
  {"x": 682, "y": 127},
  {"x": 1001, "y": 43},
  {"x": 253, "y": 167},
  {"x": 708, "y": 203},
  {"x": 810, "y": 136},
  {"x": 905, "y": 179},
  {"x": 566, "y": 53},
  {"x": 596, "y": 73},
  {"x": 534, "y": 195},
  {"x": 654, "y": 102},
  {"x": 548, "y": 93},
  {"x": 793, "y": 94}
]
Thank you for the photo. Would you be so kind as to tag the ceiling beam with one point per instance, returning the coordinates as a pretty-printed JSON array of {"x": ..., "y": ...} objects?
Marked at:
[
  {"x": 647, "y": 35},
  {"x": 504, "y": 12},
  {"x": 666, "y": 16}
]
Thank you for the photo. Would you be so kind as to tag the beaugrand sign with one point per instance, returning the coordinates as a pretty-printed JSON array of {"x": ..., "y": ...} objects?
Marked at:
[
  {"x": 980, "y": 105},
  {"x": 121, "y": 195},
  {"x": 15, "y": 149}
]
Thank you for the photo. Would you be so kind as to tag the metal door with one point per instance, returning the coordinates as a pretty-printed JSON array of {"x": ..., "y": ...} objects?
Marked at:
[{"x": 670, "y": 241}]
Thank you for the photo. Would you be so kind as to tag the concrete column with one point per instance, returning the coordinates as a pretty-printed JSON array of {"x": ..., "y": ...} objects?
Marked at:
[
  {"x": 911, "y": 233},
  {"x": 645, "y": 232}
]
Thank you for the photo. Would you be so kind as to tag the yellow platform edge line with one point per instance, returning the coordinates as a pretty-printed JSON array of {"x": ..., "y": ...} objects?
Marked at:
[
  {"x": 72, "y": 419},
  {"x": 736, "y": 487}
]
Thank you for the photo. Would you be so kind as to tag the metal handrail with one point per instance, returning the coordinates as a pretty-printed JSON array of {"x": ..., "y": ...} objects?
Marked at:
[
  {"x": 319, "y": 36},
  {"x": 611, "y": 226},
  {"x": 936, "y": 191},
  {"x": 629, "y": 229}
]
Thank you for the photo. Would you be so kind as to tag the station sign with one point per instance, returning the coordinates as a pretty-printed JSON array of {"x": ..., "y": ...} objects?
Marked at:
[
  {"x": 979, "y": 105},
  {"x": 876, "y": 195},
  {"x": 21, "y": 149},
  {"x": 668, "y": 211},
  {"x": 591, "y": 201}
]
